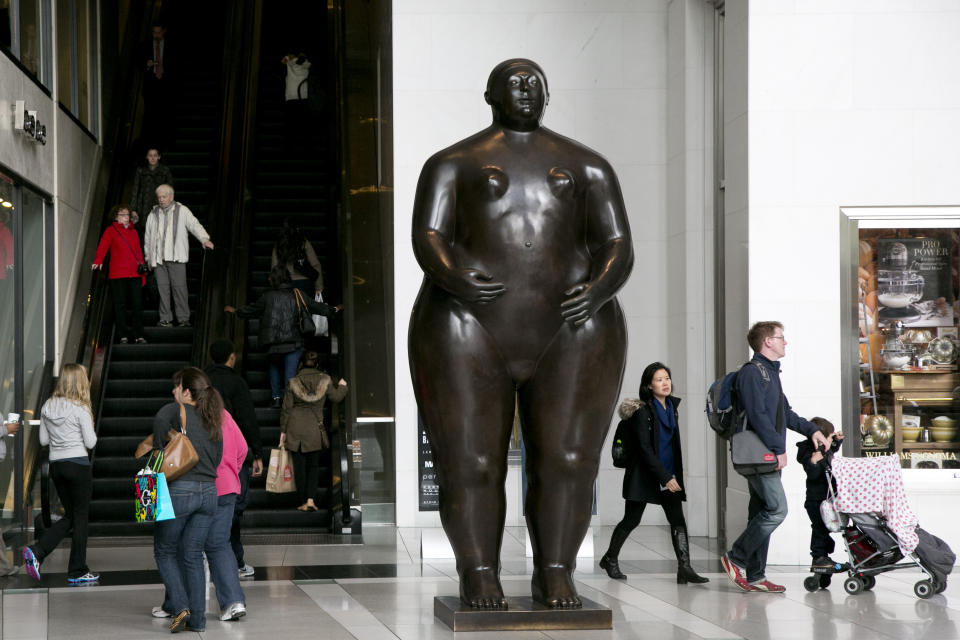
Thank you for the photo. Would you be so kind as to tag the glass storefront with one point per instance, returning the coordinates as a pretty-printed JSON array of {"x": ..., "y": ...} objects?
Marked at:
[
  {"x": 908, "y": 311},
  {"x": 24, "y": 341}
]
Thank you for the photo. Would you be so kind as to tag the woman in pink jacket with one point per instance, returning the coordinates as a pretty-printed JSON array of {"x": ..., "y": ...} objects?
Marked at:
[{"x": 223, "y": 564}]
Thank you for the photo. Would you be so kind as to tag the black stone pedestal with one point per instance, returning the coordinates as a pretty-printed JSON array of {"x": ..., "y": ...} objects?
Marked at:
[{"x": 521, "y": 614}]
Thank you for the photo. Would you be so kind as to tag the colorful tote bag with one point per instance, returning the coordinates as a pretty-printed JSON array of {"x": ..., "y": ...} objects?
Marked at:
[{"x": 153, "y": 502}]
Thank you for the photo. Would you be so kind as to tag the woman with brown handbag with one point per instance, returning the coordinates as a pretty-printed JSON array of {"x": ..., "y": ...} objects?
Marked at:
[
  {"x": 197, "y": 412},
  {"x": 279, "y": 312},
  {"x": 301, "y": 424}
]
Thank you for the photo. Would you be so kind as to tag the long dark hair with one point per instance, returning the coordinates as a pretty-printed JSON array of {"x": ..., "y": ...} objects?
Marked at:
[
  {"x": 289, "y": 245},
  {"x": 647, "y": 379},
  {"x": 279, "y": 276},
  {"x": 208, "y": 401}
]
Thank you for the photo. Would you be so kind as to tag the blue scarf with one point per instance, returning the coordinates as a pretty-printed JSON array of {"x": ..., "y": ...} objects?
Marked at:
[{"x": 668, "y": 427}]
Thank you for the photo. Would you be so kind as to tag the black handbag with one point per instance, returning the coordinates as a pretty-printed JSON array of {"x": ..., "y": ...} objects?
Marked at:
[{"x": 307, "y": 326}]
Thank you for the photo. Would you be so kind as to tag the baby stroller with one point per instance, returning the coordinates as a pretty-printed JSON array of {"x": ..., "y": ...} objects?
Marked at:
[{"x": 876, "y": 536}]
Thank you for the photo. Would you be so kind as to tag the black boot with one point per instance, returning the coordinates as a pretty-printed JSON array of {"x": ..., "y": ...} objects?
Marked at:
[
  {"x": 609, "y": 560},
  {"x": 681, "y": 546}
]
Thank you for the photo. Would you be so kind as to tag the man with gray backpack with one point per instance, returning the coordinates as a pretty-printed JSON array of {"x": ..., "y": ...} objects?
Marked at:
[{"x": 760, "y": 412}]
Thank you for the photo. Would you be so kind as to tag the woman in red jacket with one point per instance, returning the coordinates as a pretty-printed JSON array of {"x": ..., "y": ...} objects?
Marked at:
[{"x": 128, "y": 272}]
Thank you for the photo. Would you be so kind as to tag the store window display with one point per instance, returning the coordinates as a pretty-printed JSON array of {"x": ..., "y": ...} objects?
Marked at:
[{"x": 908, "y": 314}]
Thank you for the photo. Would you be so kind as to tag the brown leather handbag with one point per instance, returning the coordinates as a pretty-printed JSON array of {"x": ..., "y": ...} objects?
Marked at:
[{"x": 179, "y": 456}]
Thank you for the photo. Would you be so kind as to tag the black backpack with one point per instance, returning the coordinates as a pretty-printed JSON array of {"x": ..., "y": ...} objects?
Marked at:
[
  {"x": 724, "y": 413},
  {"x": 621, "y": 449}
]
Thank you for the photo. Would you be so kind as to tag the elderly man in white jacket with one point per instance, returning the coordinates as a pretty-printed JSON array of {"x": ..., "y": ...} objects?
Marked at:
[{"x": 167, "y": 253}]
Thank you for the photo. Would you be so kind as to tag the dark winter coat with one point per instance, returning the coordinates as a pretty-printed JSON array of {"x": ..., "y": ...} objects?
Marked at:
[
  {"x": 280, "y": 318},
  {"x": 645, "y": 473},
  {"x": 816, "y": 476},
  {"x": 760, "y": 398},
  {"x": 301, "y": 416},
  {"x": 237, "y": 400},
  {"x": 144, "y": 195}
]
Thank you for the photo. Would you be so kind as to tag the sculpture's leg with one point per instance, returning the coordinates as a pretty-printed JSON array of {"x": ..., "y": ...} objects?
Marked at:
[
  {"x": 566, "y": 410},
  {"x": 466, "y": 401}
]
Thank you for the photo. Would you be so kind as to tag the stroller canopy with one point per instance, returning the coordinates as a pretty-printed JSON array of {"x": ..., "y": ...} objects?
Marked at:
[{"x": 874, "y": 485}]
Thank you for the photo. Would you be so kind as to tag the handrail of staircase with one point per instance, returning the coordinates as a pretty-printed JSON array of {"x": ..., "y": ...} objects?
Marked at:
[
  {"x": 85, "y": 333},
  {"x": 225, "y": 273},
  {"x": 344, "y": 473}
]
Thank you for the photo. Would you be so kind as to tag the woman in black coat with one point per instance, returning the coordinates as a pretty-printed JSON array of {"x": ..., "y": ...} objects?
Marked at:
[
  {"x": 654, "y": 473},
  {"x": 279, "y": 314}
]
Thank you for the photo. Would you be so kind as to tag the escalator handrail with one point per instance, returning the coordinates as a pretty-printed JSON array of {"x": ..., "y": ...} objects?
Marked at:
[
  {"x": 230, "y": 218},
  {"x": 346, "y": 460}
]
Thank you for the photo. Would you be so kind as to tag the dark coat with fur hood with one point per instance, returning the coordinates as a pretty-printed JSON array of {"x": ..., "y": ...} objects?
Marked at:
[
  {"x": 645, "y": 473},
  {"x": 301, "y": 416}
]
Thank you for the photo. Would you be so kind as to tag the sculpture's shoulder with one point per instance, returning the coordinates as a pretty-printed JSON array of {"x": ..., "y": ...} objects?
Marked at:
[
  {"x": 462, "y": 149},
  {"x": 585, "y": 158}
]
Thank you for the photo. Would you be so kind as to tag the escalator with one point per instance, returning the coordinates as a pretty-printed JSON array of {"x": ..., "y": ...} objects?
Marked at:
[
  {"x": 293, "y": 179},
  {"x": 138, "y": 376},
  {"x": 294, "y": 182}
]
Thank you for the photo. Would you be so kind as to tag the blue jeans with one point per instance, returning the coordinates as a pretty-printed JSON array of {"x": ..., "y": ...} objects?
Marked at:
[
  {"x": 223, "y": 564},
  {"x": 288, "y": 363},
  {"x": 195, "y": 504},
  {"x": 768, "y": 508}
]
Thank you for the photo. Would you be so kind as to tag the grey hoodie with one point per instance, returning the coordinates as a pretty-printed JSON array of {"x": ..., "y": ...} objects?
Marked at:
[{"x": 67, "y": 427}]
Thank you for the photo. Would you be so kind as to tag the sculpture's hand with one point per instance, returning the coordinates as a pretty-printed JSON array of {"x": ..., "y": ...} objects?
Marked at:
[
  {"x": 583, "y": 302},
  {"x": 473, "y": 285}
]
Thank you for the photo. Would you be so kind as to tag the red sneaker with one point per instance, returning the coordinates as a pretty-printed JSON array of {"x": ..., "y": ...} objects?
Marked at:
[
  {"x": 767, "y": 586},
  {"x": 736, "y": 574}
]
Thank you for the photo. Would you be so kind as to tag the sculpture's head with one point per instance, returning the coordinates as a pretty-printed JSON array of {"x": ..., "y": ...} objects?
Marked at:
[{"x": 517, "y": 92}]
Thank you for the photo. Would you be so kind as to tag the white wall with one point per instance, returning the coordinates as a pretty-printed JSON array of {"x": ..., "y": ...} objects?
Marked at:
[
  {"x": 850, "y": 103},
  {"x": 606, "y": 63}
]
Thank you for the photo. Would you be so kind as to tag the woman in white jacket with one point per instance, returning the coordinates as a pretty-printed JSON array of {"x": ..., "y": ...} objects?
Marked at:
[{"x": 66, "y": 424}]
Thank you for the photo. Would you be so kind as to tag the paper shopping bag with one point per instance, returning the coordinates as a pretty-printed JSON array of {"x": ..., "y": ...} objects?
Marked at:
[
  {"x": 280, "y": 472},
  {"x": 322, "y": 323},
  {"x": 164, "y": 504}
]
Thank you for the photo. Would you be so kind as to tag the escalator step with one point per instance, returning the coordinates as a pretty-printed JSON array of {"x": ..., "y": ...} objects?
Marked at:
[
  {"x": 134, "y": 406},
  {"x": 139, "y": 369}
]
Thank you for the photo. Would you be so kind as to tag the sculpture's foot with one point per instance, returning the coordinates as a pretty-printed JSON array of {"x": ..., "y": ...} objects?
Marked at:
[
  {"x": 480, "y": 589},
  {"x": 553, "y": 587}
]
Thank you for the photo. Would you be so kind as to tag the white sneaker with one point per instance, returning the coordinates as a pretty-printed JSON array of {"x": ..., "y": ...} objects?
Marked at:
[
  {"x": 234, "y": 612},
  {"x": 158, "y": 612},
  {"x": 245, "y": 571}
]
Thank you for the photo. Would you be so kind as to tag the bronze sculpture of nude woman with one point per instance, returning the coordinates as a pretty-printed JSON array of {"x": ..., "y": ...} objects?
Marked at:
[{"x": 524, "y": 242}]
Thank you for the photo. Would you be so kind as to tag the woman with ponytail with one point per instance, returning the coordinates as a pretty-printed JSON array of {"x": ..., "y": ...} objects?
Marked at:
[
  {"x": 66, "y": 424},
  {"x": 194, "y": 497}
]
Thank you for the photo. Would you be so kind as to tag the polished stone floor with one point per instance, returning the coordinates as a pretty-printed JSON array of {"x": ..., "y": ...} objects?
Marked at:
[{"x": 383, "y": 590}]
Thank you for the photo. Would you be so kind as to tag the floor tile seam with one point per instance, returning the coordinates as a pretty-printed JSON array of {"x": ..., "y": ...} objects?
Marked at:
[
  {"x": 661, "y": 604},
  {"x": 406, "y": 547},
  {"x": 341, "y": 616}
]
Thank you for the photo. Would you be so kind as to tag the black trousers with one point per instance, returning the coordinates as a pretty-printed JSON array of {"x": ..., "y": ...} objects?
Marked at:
[
  {"x": 74, "y": 483},
  {"x": 127, "y": 293},
  {"x": 672, "y": 507},
  {"x": 238, "y": 508},
  {"x": 306, "y": 473},
  {"x": 821, "y": 542}
]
